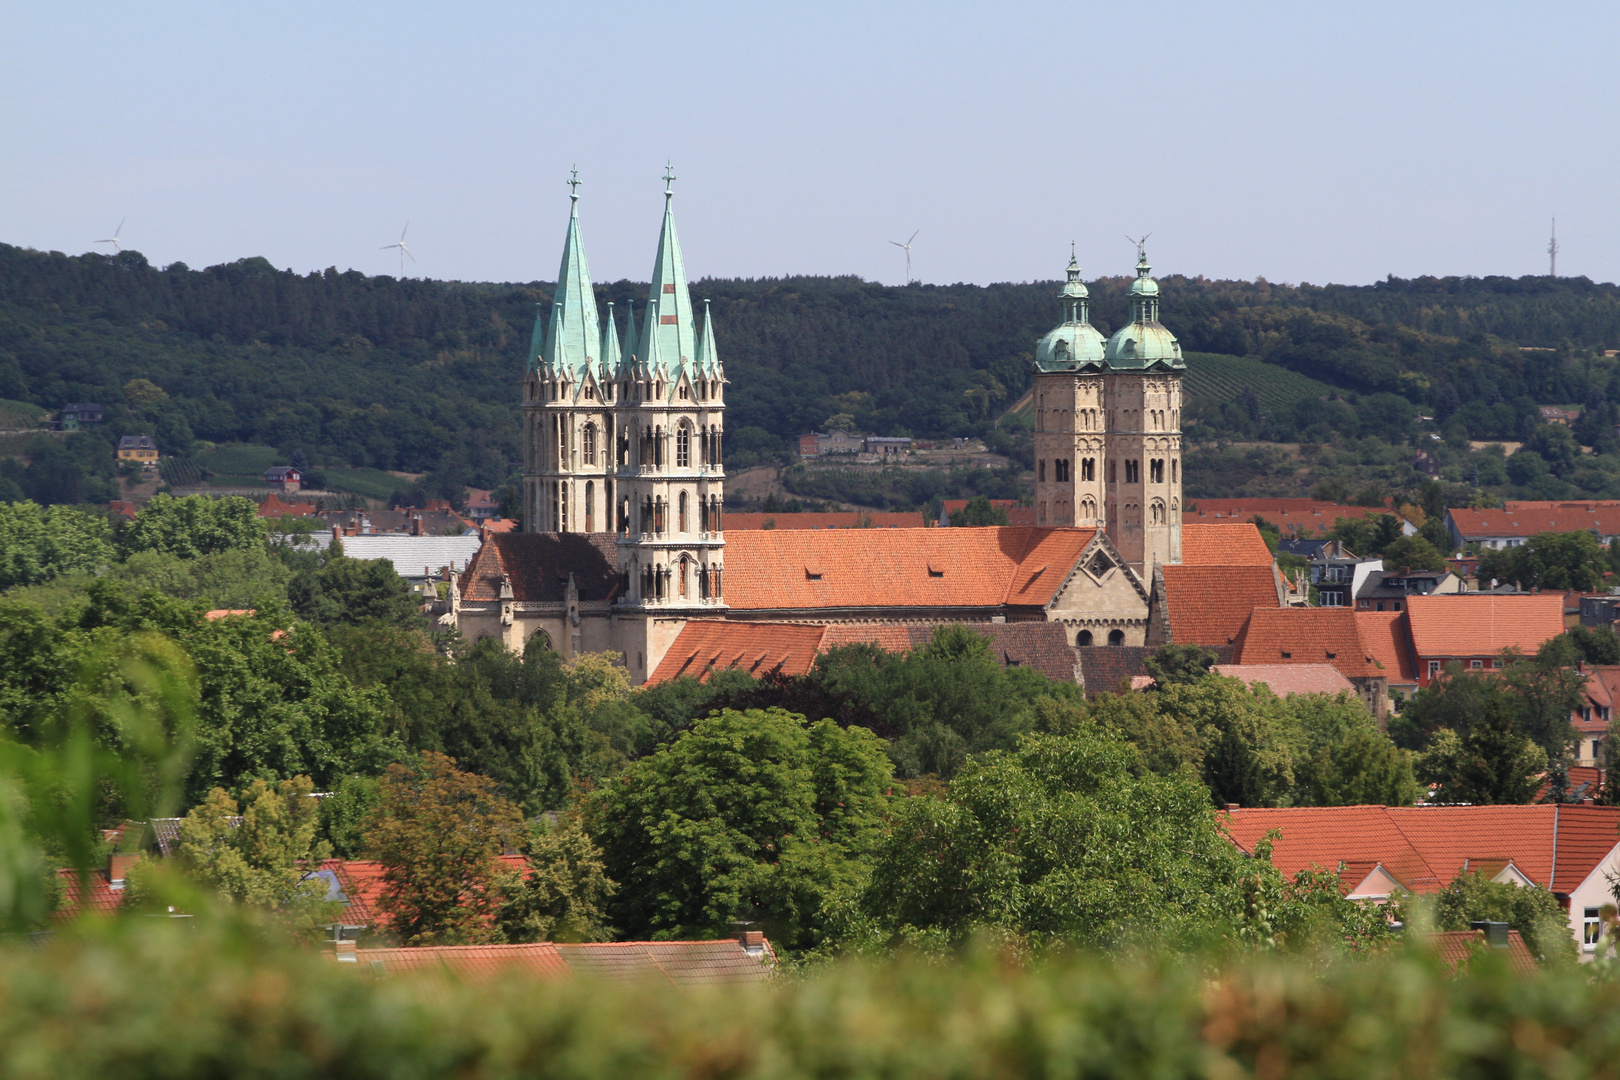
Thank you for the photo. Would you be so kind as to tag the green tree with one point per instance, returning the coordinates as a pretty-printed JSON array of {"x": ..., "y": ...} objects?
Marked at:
[
  {"x": 1534, "y": 912},
  {"x": 1412, "y": 553},
  {"x": 1179, "y": 664},
  {"x": 353, "y": 591},
  {"x": 1572, "y": 560},
  {"x": 1342, "y": 759},
  {"x": 754, "y": 815},
  {"x": 439, "y": 833},
  {"x": 194, "y": 525},
  {"x": 563, "y": 894},
  {"x": 260, "y": 853},
  {"x": 1492, "y": 763},
  {"x": 978, "y": 512},
  {"x": 40, "y": 543}
]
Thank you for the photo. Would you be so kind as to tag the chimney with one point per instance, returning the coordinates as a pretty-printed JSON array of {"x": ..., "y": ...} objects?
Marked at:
[
  {"x": 346, "y": 952},
  {"x": 1495, "y": 933},
  {"x": 1231, "y": 806},
  {"x": 1580, "y": 667},
  {"x": 416, "y": 524},
  {"x": 118, "y": 868},
  {"x": 337, "y": 534}
]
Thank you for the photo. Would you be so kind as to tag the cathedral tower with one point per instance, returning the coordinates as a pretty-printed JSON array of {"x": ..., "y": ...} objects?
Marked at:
[
  {"x": 1142, "y": 406},
  {"x": 1069, "y": 443}
]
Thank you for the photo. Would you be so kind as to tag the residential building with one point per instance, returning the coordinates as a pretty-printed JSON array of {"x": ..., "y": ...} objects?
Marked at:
[
  {"x": 123, "y": 508},
  {"x": 1591, "y": 720},
  {"x": 286, "y": 478},
  {"x": 1334, "y": 636},
  {"x": 1553, "y": 414},
  {"x": 83, "y": 412},
  {"x": 138, "y": 448},
  {"x": 1380, "y": 852},
  {"x": 1338, "y": 574},
  {"x": 820, "y": 444},
  {"x": 835, "y": 519},
  {"x": 1226, "y": 573},
  {"x": 1474, "y": 629},
  {"x": 482, "y": 506},
  {"x": 1280, "y": 679},
  {"x": 1601, "y": 609},
  {"x": 417, "y": 559},
  {"x": 274, "y": 506},
  {"x": 887, "y": 445},
  {"x": 1388, "y": 590},
  {"x": 1296, "y": 518},
  {"x": 1518, "y": 522}
]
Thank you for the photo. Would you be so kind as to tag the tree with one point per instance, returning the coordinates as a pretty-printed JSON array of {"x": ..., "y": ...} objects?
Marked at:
[
  {"x": 1367, "y": 536},
  {"x": 1342, "y": 759},
  {"x": 1573, "y": 560},
  {"x": 1491, "y": 763},
  {"x": 1412, "y": 553},
  {"x": 352, "y": 591},
  {"x": 753, "y": 815},
  {"x": 194, "y": 525},
  {"x": 40, "y": 543},
  {"x": 1534, "y": 912},
  {"x": 1179, "y": 665},
  {"x": 438, "y": 832},
  {"x": 978, "y": 512},
  {"x": 563, "y": 894},
  {"x": 264, "y": 859}
]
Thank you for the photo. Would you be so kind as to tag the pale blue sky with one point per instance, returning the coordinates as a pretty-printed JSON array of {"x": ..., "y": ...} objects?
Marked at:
[{"x": 1292, "y": 141}]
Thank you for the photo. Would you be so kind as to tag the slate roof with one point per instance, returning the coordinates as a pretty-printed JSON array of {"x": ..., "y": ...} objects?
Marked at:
[
  {"x": 1228, "y": 545},
  {"x": 1483, "y": 624},
  {"x": 757, "y": 648},
  {"x": 1208, "y": 605},
  {"x": 415, "y": 556},
  {"x": 1458, "y": 947},
  {"x": 833, "y": 520},
  {"x": 539, "y": 565},
  {"x": 1285, "y": 679},
  {"x": 1384, "y": 636},
  {"x": 136, "y": 442},
  {"x": 1557, "y": 847},
  {"x": 1307, "y": 636},
  {"x": 886, "y": 568}
]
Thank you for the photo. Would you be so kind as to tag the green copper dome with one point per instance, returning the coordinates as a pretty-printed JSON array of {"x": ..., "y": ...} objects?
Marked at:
[
  {"x": 1074, "y": 343},
  {"x": 1143, "y": 342}
]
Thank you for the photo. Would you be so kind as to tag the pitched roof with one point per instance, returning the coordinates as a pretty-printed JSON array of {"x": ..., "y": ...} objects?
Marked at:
[
  {"x": 360, "y": 885},
  {"x": 414, "y": 556},
  {"x": 1223, "y": 545},
  {"x": 1482, "y": 624},
  {"x": 757, "y": 648},
  {"x": 1208, "y": 605},
  {"x": 1557, "y": 847},
  {"x": 100, "y": 899},
  {"x": 1299, "y": 517},
  {"x": 274, "y": 506},
  {"x": 1384, "y": 636},
  {"x": 685, "y": 963},
  {"x": 136, "y": 442},
  {"x": 931, "y": 568},
  {"x": 539, "y": 565},
  {"x": 1016, "y": 514},
  {"x": 832, "y": 520},
  {"x": 1285, "y": 679},
  {"x": 1307, "y": 636},
  {"x": 1040, "y": 645},
  {"x": 1458, "y": 947},
  {"x": 473, "y": 962},
  {"x": 1528, "y": 519}
]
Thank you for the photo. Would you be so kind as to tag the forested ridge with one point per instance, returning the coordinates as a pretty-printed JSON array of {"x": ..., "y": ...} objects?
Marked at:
[{"x": 421, "y": 375}]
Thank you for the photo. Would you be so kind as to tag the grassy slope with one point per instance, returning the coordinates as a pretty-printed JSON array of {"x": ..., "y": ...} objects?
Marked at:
[{"x": 1215, "y": 378}]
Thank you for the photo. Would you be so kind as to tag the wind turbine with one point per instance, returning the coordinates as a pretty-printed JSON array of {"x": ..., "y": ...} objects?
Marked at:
[
  {"x": 117, "y": 244},
  {"x": 1141, "y": 245},
  {"x": 403, "y": 250},
  {"x": 906, "y": 247}
]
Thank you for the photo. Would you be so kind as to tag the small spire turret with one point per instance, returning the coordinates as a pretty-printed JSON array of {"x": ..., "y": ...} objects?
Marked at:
[
  {"x": 610, "y": 345},
  {"x": 708, "y": 361}
]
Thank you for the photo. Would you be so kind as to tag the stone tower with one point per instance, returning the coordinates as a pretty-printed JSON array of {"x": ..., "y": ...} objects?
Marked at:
[
  {"x": 568, "y": 407},
  {"x": 670, "y": 410},
  {"x": 1142, "y": 404},
  {"x": 1108, "y": 425}
]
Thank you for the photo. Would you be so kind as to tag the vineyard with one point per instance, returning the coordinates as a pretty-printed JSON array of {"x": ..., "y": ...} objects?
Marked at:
[{"x": 1215, "y": 379}]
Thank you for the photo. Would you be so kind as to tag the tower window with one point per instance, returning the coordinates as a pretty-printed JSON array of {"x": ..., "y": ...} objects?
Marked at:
[
  {"x": 1040, "y": 470},
  {"x": 587, "y": 445},
  {"x": 1173, "y": 471},
  {"x": 1060, "y": 466},
  {"x": 1156, "y": 470},
  {"x": 1133, "y": 472},
  {"x": 1088, "y": 468},
  {"x": 682, "y": 520},
  {"x": 683, "y": 447}
]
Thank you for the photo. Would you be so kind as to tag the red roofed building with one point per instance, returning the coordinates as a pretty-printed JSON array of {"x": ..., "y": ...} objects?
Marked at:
[
  {"x": 850, "y": 519},
  {"x": 746, "y": 958},
  {"x": 1295, "y": 517},
  {"x": 1378, "y": 850},
  {"x": 274, "y": 507},
  {"x": 1459, "y": 948},
  {"x": 704, "y": 646},
  {"x": 1319, "y": 636},
  {"x": 1473, "y": 629},
  {"x": 1519, "y": 521},
  {"x": 1016, "y": 514}
]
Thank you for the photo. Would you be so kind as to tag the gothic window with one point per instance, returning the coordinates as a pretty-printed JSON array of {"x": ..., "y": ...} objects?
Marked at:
[
  {"x": 1060, "y": 469},
  {"x": 590, "y": 506},
  {"x": 646, "y": 516},
  {"x": 1156, "y": 470},
  {"x": 684, "y": 567},
  {"x": 683, "y": 396},
  {"x": 554, "y": 507},
  {"x": 714, "y": 514},
  {"x": 1156, "y": 512},
  {"x": 1088, "y": 468},
  {"x": 1088, "y": 509},
  {"x": 682, "y": 518},
  {"x": 658, "y": 516},
  {"x": 1040, "y": 470},
  {"x": 658, "y": 447},
  {"x": 1133, "y": 471},
  {"x": 683, "y": 447},
  {"x": 587, "y": 445},
  {"x": 562, "y": 501},
  {"x": 590, "y": 392},
  {"x": 562, "y": 443}
]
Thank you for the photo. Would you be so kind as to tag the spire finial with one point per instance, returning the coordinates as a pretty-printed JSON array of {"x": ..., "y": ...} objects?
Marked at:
[
  {"x": 669, "y": 178},
  {"x": 573, "y": 184},
  {"x": 1141, "y": 252}
]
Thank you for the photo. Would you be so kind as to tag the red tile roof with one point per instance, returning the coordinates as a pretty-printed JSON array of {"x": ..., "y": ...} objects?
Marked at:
[
  {"x": 1285, "y": 679},
  {"x": 1529, "y": 519},
  {"x": 274, "y": 507},
  {"x": 837, "y": 520},
  {"x": 1016, "y": 514},
  {"x": 930, "y": 568},
  {"x": 1307, "y": 636},
  {"x": 101, "y": 898},
  {"x": 1208, "y": 605},
  {"x": 1223, "y": 545},
  {"x": 362, "y": 883},
  {"x": 684, "y": 963},
  {"x": 1482, "y": 624},
  {"x": 1040, "y": 645},
  {"x": 475, "y": 963},
  {"x": 1295, "y": 517},
  {"x": 1458, "y": 947},
  {"x": 1384, "y": 635},
  {"x": 757, "y": 648},
  {"x": 539, "y": 565},
  {"x": 1557, "y": 847}
]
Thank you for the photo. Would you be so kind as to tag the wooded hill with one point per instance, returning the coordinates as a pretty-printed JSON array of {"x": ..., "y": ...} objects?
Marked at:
[{"x": 415, "y": 375}]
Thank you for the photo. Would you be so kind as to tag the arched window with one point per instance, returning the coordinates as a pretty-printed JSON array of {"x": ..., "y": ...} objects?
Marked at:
[
  {"x": 1116, "y": 637},
  {"x": 682, "y": 520},
  {"x": 1083, "y": 639},
  {"x": 587, "y": 445},
  {"x": 562, "y": 516},
  {"x": 1088, "y": 509},
  {"x": 683, "y": 447},
  {"x": 684, "y": 568},
  {"x": 590, "y": 506},
  {"x": 1173, "y": 470}
]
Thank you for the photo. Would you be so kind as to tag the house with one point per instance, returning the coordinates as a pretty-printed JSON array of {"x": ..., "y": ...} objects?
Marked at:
[
  {"x": 417, "y": 559},
  {"x": 1600, "y": 694},
  {"x": 836, "y": 519},
  {"x": 1338, "y": 574},
  {"x": 1333, "y": 636},
  {"x": 1601, "y": 609},
  {"x": 139, "y": 448},
  {"x": 274, "y": 507},
  {"x": 887, "y": 445},
  {"x": 1518, "y": 522},
  {"x": 1459, "y": 948},
  {"x": 482, "y": 506},
  {"x": 809, "y": 445},
  {"x": 123, "y": 508},
  {"x": 1553, "y": 414},
  {"x": 1016, "y": 514},
  {"x": 1473, "y": 629},
  {"x": 745, "y": 958},
  {"x": 1389, "y": 590},
  {"x": 82, "y": 412},
  {"x": 1301, "y": 518},
  {"x": 819, "y": 444},
  {"x": 1225, "y": 573},
  {"x": 1381, "y": 851},
  {"x": 286, "y": 478}
]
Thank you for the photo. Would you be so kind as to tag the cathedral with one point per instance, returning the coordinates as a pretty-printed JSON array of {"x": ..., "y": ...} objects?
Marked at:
[{"x": 624, "y": 541}]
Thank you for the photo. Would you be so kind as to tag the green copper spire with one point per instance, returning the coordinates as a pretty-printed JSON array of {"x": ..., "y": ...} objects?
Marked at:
[
  {"x": 1143, "y": 342},
  {"x": 630, "y": 346},
  {"x": 537, "y": 340},
  {"x": 708, "y": 361},
  {"x": 1074, "y": 344},
  {"x": 669, "y": 311},
  {"x": 653, "y": 361},
  {"x": 575, "y": 333},
  {"x": 610, "y": 345}
]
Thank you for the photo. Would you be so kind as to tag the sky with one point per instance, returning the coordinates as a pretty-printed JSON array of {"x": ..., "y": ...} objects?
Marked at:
[{"x": 1295, "y": 142}]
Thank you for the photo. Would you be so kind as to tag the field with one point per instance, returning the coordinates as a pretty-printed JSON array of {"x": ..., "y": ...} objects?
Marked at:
[
  {"x": 237, "y": 463},
  {"x": 372, "y": 483},
  {"x": 1215, "y": 378},
  {"x": 20, "y": 414}
]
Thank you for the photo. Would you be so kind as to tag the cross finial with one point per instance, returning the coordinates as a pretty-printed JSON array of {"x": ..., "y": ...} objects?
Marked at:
[
  {"x": 669, "y": 177},
  {"x": 573, "y": 184}
]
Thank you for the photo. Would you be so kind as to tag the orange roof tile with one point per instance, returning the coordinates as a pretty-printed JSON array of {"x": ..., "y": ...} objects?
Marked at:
[
  {"x": 1529, "y": 519},
  {"x": 1307, "y": 636},
  {"x": 757, "y": 648},
  {"x": 1458, "y": 947},
  {"x": 835, "y": 520},
  {"x": 1208, "y": 605},
  {"x": 1285, "y": 679},
  {"x": 890, "y": 637},
  {"x": 1016, "y": 514},
  {"x": 274, "y": 506},
  {"x": 684, "y": 963},
  {"x": 1311, "y": 837},
  {"x": 1384, "y": 636},
  {"x": 1295, "y": 517},
  {"x": 476, "y": 963},
  {"x": 1223, "y": 545},
  {"x": 362, "y": 883},
  {"x": 931, "y": 568},
  {"x": 1476, "y": 624}
]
